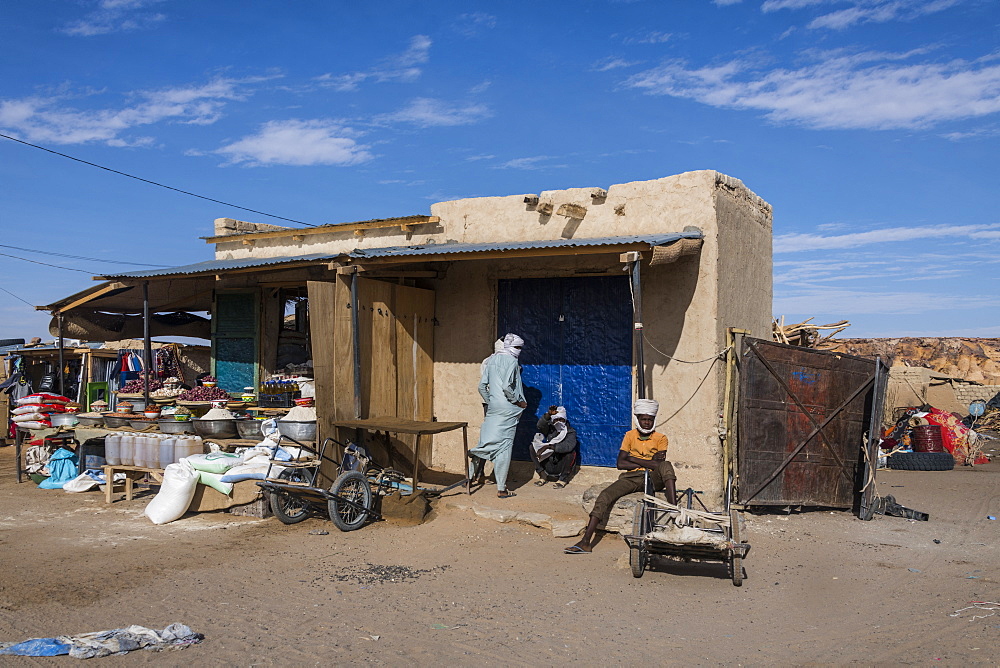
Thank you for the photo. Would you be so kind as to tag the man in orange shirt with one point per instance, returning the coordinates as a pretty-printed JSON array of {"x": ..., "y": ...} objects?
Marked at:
[{"x": 642, "y": 448}]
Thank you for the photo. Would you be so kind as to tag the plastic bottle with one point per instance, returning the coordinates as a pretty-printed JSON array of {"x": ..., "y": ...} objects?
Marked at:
[
  {"x": 167, "y": 451},
  {"x": 139, "y": 450},
  {"x": 127, "y": 450},
  {"x": 113, "y": 449}
]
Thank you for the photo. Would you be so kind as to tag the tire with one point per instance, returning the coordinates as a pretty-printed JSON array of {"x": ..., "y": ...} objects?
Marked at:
[
  {"x": 289, "y": 508},
  {"x": 637, "y": 557},
  {"x": 352, "y": 486},
  {"x": 735, "y": 562},
  {"x": 922, "y": 461}
]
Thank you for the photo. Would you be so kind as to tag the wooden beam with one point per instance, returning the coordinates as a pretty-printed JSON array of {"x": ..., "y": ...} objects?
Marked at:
[
  {"x": 403, "y": 223},
  {"x": 92, "y": 296}
]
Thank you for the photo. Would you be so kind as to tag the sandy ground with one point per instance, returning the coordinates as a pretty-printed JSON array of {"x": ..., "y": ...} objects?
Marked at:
[{"x": 821, "y": 587}]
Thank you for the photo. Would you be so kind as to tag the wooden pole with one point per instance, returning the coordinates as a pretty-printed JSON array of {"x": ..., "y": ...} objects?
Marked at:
[
  {"x": 147, "y": 346},
  {"x": 356, "y": 344},
  {"x": 62, "y": 361},
  {"x": 640, "y": 365}
]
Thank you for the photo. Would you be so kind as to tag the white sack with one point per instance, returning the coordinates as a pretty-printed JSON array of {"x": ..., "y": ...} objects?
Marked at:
[{"x": 176, "y": 492}]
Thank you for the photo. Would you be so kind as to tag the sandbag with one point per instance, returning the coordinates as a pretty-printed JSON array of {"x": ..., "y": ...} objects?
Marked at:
[
  {"x": 214, "y": 480},
  {"x": 43, "y": 398},
  {"x": 176, "y": 492},
  {"x": 254, "y": 471},
  {"x": 214, "y": 462}
]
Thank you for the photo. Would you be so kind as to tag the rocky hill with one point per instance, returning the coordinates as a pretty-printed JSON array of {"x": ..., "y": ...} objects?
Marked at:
[{"x": 972, "y": 359}]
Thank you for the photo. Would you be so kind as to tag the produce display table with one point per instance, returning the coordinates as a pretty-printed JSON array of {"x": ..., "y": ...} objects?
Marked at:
[
  {"x": 132, "y": 473},
  {"x": 422, "y": 430}
]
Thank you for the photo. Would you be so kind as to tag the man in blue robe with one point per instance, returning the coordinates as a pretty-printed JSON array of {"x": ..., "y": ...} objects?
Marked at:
[{"x": 501, "y": 390}]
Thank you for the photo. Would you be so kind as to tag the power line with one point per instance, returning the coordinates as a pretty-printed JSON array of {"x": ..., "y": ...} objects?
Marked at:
[
  {"x": 137, "y": 178},
  {"x": 46, "y": 264},
  {"x": 78, "y": 257},
  {"x": 16, "y": 297}
]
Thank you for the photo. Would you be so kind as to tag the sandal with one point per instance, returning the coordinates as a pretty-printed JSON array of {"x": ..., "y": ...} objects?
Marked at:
[
  {"x": 576, "y": 549},
  {"x": 505, "y": 495},
  {"x": 558, "y": 485},
  {"x": 539, "y": 483}
]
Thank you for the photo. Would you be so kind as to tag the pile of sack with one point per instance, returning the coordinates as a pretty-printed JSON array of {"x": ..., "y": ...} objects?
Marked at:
[
  {"x": 218, "y": 470},
  {"x": 35, "y": 410}
]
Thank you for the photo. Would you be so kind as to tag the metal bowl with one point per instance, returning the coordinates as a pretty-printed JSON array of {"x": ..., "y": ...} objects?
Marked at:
[
  {"x": 111, "y": 421},
  {"x": 140, "y": 423},
  {"x": 249, "y": 429},
  {"x": 90, "y": 421},
  {"x": 172, "y": 426},
  {"x": 63, "y": 419},
  {"x": 215, "y": 428},
  {"x": 299, "y": 430}
]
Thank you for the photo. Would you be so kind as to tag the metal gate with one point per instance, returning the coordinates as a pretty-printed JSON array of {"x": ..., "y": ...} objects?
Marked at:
[{"x": 803, "y": 418}]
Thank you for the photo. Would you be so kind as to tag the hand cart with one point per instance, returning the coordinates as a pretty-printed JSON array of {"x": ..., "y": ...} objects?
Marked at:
[
  {"x": 352, "y": 498},
  {"x": 667, "y": 529}
]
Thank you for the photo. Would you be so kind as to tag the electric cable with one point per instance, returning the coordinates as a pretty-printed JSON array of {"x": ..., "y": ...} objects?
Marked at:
[
  {"x": 79, "y": 257},
  {"x": 46, "y": 264},
  {"x": 16, "y": 297},
  {"x": 138, "y": 178}
]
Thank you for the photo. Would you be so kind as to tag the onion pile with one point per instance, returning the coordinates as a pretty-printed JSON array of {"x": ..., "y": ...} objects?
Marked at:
[
  {"x": 203, "y": 394},
  {"x": 136, "y": 386}
]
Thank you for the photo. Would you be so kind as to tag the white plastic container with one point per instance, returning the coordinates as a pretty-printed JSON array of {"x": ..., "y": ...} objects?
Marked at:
[
  {"x": 167, "y": 451},
  {"x": 113, "y": 449},
  {"x": 127, "y": 450},
  {"x": 139, "y": 451},
  {"x": 185, "y": 447}
]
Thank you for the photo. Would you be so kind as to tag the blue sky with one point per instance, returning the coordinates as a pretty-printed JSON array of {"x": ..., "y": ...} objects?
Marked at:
[{"x": 871, "y": 126}]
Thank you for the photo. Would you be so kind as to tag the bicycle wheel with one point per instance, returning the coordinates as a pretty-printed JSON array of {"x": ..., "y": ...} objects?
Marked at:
[
  {"x": 350, "y": 486},
  {"x": 289, "y": 508}
]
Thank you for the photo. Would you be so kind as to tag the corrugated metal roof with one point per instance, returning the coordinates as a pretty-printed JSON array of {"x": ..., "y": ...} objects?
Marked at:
[
  {"x": 453, "y": 248},
  {"x": 218, "y": 266}
]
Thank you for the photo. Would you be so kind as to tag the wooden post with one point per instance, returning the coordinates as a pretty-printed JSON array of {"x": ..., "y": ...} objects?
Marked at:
[
  {"x": 640, "y": 365},
  {"x": 356, "y": 344},
  {"x": 147, "y": 356},
  {"x": 62, "y": 361}
]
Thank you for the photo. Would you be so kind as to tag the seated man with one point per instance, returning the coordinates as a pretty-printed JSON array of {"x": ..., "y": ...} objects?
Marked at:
[
  {"x": 554, "y": 449},
  {"x": 642, "y": 448}
]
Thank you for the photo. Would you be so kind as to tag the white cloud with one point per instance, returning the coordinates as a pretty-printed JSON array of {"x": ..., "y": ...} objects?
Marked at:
[
  {"x": 863, "y": 11},
  {"x": 532, "y": 163},
  {"x": 403, "y": 67},
  {"x": 652, "y": 37},
  {"x": 868, "y": 90},
  {"x": 797, "y": 242},
  {"x": 116, "y": 16},
  {"x": 725, "y": 3},
  {"x": 47, "y": 119},
  {"x": 298, "y": 143},
  {"x": 426, "y": 112},
  {"x": 471, "y": 25},
  {"x": 835, "y": 302},
  {"x": 613, "y": 63}
]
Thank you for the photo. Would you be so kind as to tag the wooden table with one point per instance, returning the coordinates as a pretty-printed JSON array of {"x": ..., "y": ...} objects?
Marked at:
[
  {"x": 422, "y": 430},
  {"x": 132, "y": 473}
]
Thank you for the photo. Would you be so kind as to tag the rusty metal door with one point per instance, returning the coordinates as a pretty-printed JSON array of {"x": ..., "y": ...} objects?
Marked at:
[{"x": 802, "y": 422}]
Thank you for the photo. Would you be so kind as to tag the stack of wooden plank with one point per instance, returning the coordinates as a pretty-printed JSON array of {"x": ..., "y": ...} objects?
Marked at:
[{"x": 807, "y": 335}]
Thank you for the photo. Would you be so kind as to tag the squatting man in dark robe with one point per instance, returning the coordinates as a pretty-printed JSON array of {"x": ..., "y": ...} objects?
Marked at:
[{"x": 643, "y": 448}]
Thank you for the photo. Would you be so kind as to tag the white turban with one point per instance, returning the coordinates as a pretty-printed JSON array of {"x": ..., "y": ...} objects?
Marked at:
[
  {"x": 498, "y": 346},
  {"x": 512, "y": 344},
  {"x": 645, "y": 407},
  {"x": 560, "y": 413}
]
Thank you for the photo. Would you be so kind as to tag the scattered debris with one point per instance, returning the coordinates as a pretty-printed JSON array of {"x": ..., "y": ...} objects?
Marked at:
[
  {"x": 978, "y": 606},
  {"x": 806, "y": 335}
]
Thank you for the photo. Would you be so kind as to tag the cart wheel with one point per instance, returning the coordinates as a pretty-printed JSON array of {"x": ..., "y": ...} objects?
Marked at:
[
  {"x": 289, "y": 508},
  {"x": 351, "y": 486},
  {"x": 638, "y": 557},
  {"x": 735, "y": 562}
]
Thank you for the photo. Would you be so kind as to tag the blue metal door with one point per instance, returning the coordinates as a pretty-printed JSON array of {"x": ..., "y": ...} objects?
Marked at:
[{"x": 577, "y": 353}]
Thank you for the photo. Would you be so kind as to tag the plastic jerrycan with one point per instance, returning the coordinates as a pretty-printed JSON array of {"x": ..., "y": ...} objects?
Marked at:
[
  {"x": 113, "y": 449},
  {"x": 167, "y": 451},
  {"x": 127, "y": 450}
]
